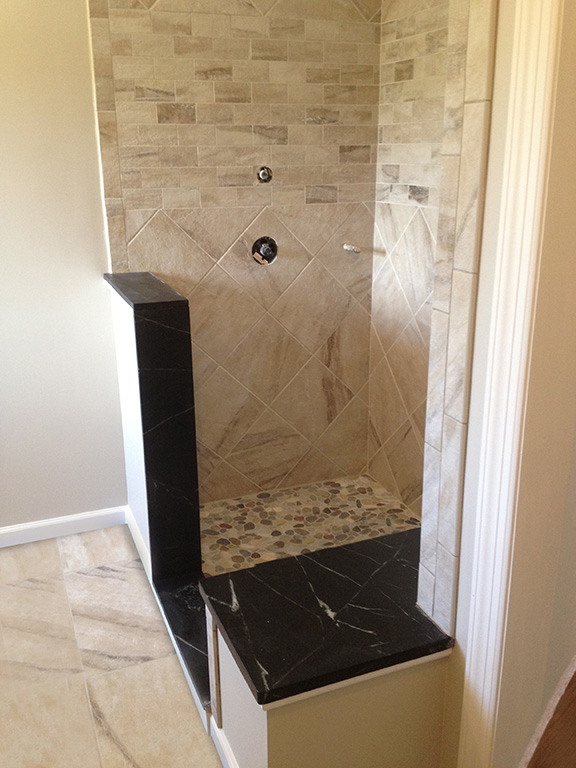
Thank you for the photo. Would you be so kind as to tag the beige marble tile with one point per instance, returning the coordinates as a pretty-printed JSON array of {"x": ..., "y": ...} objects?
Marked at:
[
  {"x": 27, "y": 561},
  {"x": 225, "y": 410},
  {"x": 207, "y": 461},
  {"x": 313, "y": 306},
  {"x": 206, "y": 227},
  {"x": 451, "y": 484},
  {"x": 268, "y": 451},
  {"x": 408, "y": 359},
  {"x": 145, "y": 716},
  {"x": 225, "y": 482},
  {"x": 387, "y": 409},
  {"x": 413, "y": 260},
  {"x": 107, "y": 545},
  {"x": 430, "y": 507},
  {"x": 471, "y": 185},
  {"x": 312, "y": 400},
  {"x": 460, "y": 344},
  {"x": 37, "y": 632},
  {"x": 353, "y": 270},
  {"x": 162, "y": 248},
  {"x": 426, "y": 590},
  {"x": 202, "y": 366},
  {"x": 266, "y": 283},
  {"x": 481, "y": 40},
  {"x": 379, "y": 469},
  {"x": 345, "y": 440},
  {"x": 317, "y": 226},
  {"x": 390, "y": 309},
  {"x": 437, "y": 378},
  {"x": 47, "y": 724},
  {"x": 406, "y": 460},
  {"x": 446, "y": 590},
  {"x": 312, "y": 467},
  {"x": 221, "y": 314},
  {"x": 267, "y": 359},
  {"x": 116, "y": 619},
  {"x": 346, "y": 351}
]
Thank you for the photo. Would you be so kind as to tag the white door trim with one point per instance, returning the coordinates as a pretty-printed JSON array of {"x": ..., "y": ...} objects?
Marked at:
[{"x": 525, "y": 75}]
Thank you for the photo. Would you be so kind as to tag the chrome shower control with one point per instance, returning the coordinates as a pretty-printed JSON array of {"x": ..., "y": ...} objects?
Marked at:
[
  {"x": 265, "y": 174},
  {"x": 265, "y": 250}
]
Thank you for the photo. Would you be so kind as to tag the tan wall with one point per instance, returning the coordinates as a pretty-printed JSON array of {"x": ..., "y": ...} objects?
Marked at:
[{"x": 61, "y": 440}]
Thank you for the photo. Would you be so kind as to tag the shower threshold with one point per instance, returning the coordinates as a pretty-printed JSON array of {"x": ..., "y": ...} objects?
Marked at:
[{"x": 247, "y": 530}]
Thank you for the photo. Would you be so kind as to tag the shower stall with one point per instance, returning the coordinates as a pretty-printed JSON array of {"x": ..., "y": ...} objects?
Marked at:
[{"x": 353, "y": 133}]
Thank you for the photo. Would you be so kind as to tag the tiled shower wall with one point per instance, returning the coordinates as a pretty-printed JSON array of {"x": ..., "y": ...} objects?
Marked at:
[
  {"x": 191, "y": 103},
  {"x": 317, "y": 366},
  {"x": 413, "y": 77}
]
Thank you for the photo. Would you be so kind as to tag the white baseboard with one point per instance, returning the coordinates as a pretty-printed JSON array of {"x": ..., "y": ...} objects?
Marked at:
[
  {"x": 139, "y": 543},
  {"x": 39, "y": 530},
  {"x": 222, "y": 745}
]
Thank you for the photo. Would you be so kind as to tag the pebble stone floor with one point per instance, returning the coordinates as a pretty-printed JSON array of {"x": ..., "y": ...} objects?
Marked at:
[
  {"x": 88, "y": 674},
  {"x": 241, "y": 532}
]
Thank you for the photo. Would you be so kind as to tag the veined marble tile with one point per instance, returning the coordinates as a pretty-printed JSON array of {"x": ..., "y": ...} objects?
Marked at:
[
  {"x": 47, "y": 724},
  {"x": 451, "y": 484},
  {"x": 445, "y": 590},
  {"x": 312, "y": 467},
  {"x": 37, "y": 632},
  {"x": 27, "y": 561},
  {"x": 481, "y": 37},
  {"x": 145, "y": 717},
  {"x": 413, "y": 260},
  {"x": 460, "y": 344},
  {"x": 221, "y": 313},
  {"x": 318, "y": 225},
  {"x": 225, "y": 411},
  {"x": 346, "y": 352},
  {"x": 107, "y": 545},
  {"x": 426, "y": 590},
  {"x": 202, "y": 366},
  {"x": 266, "y": 283},
  {"x": 437, "y": 378},
  {"x": 225, "y": 482},
  {"x": 278, "y": 359},
  {"x": 408, "y": 359},
  {"x": 387, "y": 409},
  {"x": 116, "y": 619},
  {"x": 268, "y": 450},
  {"x": 313, "y": 306},
  {"x": 391, "y": 312},
  {"x": 345, "y": 440},
  {"x": 430, "y": 507},
  {"x": 471, "y": 185},
  {"x": 353, "y": 270},
  {"x": 406, "y": 460},
  {"x": 312, "y": 400},
  {"x": 163, "y": 248},
  {"x": 379, "y": 468}
]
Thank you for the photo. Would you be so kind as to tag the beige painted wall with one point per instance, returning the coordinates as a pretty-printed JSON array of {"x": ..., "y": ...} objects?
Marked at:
[
  {"x": 541, "y": 636},
  {"x": 61, "y": 449}
]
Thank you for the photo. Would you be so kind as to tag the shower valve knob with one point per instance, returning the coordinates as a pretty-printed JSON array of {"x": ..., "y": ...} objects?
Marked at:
[{"x": 265, "y": 250}]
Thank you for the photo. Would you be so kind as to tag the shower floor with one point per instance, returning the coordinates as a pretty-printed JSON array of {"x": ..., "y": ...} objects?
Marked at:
[{"x": 241, "y": 532}]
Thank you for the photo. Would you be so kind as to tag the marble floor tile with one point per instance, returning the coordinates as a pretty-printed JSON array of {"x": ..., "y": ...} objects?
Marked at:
[
  {"x": 25, "y": 561},
  {"x": 38, "y": 641},
  {"x": 47, "y": 725},
  {"x": 93, "y": 548},
  {"x": 116, "y": 619},
  {"x": 145, "y": 717}
]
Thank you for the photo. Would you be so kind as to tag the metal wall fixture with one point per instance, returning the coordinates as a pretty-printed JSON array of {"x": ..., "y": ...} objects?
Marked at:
[
  {"x": 264, "y": 174},
  {"x": 264, "y": 250}
]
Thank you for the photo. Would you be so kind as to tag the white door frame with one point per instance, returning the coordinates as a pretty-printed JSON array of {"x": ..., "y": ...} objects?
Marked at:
[{"x": 525, "y": 77}]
